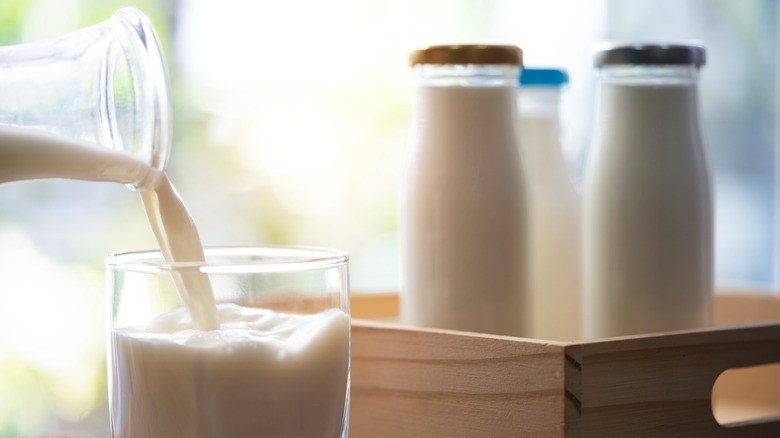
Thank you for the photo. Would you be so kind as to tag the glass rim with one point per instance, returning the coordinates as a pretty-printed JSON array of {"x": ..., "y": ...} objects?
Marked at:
[
  {"x": 304, "y": 258},
  {"x": 467, "y": 75},
  {"x": 655, "y": 75},
  {"x": 149, "y": 69}
]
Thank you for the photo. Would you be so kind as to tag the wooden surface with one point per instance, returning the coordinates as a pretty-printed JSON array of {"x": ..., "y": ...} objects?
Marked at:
[
  {"x": 752, "y": 392},
  {"x": 429, "y": 383},
  {"x": 662, "y": 385},
  {"x": 375, "y": 306},
  {"x": 742, "y": 308}
]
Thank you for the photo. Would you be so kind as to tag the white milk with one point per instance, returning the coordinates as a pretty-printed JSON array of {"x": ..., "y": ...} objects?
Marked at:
[
  {"x": 463, "y": 212},
  {"x": 27, "y": 154},
  {"x": 647, "y": 213},
  {"x": 179, "y": 242},
  {"x": 261, "y": 374},
  {"x": 555, "y": 273}
]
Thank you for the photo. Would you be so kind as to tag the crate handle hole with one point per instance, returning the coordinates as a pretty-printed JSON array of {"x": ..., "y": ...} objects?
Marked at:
[{"x": 747, "y": 395}]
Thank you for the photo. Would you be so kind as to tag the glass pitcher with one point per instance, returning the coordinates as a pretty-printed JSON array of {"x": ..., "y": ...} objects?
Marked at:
[{"x": 93, "y": 104}]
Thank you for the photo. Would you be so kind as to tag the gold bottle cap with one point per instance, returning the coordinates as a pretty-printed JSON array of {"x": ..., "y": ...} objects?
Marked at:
[{"x": 468, "y": 54}]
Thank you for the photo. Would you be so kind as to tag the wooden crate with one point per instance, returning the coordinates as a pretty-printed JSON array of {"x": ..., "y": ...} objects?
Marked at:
[{"x": 409, "y": 382}]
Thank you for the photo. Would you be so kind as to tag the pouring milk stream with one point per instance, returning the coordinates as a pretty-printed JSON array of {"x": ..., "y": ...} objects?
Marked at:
[
  {"x": 129, "y": 145},
  {"x": 152, "y": 354}
]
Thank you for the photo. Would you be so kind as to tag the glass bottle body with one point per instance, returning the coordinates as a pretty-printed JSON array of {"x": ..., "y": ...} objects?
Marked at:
[
  {"x": 555, "y": 241},
  {"x": 648, "y": 206},
  {"x": 463, "y": 204}
]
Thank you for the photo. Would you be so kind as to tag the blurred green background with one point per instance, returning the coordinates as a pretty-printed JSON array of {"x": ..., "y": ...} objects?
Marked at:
[{"x": 290, "y": 123}]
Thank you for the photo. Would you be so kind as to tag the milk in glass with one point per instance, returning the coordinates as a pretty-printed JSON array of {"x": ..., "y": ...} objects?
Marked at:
[{"x": 262, "y": 373}]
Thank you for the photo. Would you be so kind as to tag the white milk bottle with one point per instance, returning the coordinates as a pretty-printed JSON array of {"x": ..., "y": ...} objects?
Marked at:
[
  {"x": 647, "y": 201},
  {"x": 463, "y": 205},
  {"x": 554, "y": 275}
]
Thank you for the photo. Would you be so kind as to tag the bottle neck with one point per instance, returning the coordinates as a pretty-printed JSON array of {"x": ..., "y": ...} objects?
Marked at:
[
  {"x": 540, "y": 130},
  {"x": 665, "y": 91},
  {"x": 466, "y": 75},
  {"x": 651, "y": 105},
  {"x": 539, "y": 101},
  {"x": 649, "y": 75}
]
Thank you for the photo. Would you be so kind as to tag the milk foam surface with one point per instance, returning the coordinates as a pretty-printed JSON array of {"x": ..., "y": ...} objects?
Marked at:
[{"x": 262, "y": 373}]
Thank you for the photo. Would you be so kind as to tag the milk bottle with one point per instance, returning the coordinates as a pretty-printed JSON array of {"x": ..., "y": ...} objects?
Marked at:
[
  {"x": 464, "y": 209},
  {"x": 648, "y": 203},
  {"x": 555, "y": 282}
]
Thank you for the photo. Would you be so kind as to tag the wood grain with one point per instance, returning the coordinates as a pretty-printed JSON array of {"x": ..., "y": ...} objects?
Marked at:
[
  {"x": 435, "y": 383},
  {"x": 660, "y": 386}
]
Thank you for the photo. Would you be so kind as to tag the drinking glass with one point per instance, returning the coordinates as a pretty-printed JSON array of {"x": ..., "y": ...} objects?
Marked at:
[{"x": 278, "y": 366}]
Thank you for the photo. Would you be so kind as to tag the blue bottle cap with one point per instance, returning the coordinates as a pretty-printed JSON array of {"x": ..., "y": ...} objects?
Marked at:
[{"x": 543, "y": 76}]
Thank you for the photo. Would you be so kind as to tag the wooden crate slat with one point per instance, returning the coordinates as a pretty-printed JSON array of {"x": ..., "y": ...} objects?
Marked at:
[
  {"x": 432, "y": 383},
  {"x": 662, "y": 385}
]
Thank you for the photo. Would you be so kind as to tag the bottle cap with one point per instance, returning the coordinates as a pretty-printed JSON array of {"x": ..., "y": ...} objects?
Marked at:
[
  {"x": 543, "y": 76},
  {"x": 653, "y": 54},
  {"x": 468, "y": 54}
]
